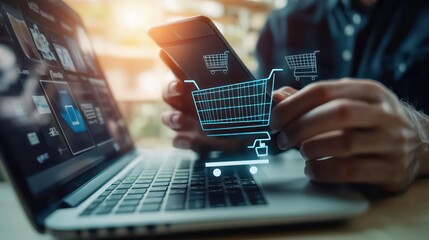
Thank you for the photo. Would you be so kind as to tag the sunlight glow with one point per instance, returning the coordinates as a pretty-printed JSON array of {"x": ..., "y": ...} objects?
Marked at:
[{"x": 130, "y": 17}]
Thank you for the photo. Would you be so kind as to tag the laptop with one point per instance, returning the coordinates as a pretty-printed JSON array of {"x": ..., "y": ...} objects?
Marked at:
[{"x": 67, "y": 151}]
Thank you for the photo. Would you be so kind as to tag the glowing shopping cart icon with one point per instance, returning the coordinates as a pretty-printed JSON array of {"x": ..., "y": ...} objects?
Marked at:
[
  {"x": 303, "y": 65},
  {"x": 233, "y": 107},
  {"x": 217, "y": 62}
]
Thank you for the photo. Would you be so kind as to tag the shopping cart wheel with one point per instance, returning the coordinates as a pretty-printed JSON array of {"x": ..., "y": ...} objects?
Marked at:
[
  {"x": 212, "y": 72},
  {"x": 225, "y": 71},
  {"x": 253, "y": 170},
  {"x": 297, "y": 78},
  {"x": 313, "y": 78},
  {"x": 217, "y": 172}
]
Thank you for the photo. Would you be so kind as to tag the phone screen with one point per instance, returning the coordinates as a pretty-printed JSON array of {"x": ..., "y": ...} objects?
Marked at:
[{"x": 202, "y": 54}]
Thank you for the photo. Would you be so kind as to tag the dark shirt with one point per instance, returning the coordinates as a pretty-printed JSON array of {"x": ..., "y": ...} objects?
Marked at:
[{"x": 388, "y": 42}]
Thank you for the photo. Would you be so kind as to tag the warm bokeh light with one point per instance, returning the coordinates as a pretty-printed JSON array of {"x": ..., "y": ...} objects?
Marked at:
[{"x": 129, "y": 17}]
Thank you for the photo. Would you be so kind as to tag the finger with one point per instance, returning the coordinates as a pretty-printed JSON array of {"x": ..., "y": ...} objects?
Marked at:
[
  {"x": 335, "y": 115},
  {"x": 179, "y": 121},
  {"x": 172, "y": 94},
  {"x": 369, "y": 170},
  {"x": 322, "y": 92},
  {"x": 348, "y": 143},
  {"x": 282, "y": 93}
]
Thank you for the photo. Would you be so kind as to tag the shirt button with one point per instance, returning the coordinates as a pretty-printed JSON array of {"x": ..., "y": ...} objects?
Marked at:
[
  {"x": 347, "y": 55},
  {"x": 357, "y": 19},
  {"x": 402, "y": 67},
  {"x": 349, "y": 30}
]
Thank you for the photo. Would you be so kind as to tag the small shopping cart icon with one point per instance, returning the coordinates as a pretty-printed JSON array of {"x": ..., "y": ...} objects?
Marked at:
[
  {"x": 232, "y": 107},
  {"x": 217, "y": 62},
  {"x": 303, "y": 65}
]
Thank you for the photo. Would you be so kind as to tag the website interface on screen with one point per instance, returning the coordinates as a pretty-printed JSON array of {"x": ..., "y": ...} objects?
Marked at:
[{"x": 56, "y": 109}]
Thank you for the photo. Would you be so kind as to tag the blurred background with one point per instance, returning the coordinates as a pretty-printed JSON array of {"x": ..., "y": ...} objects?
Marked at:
[{"x": 118, "y": 30}]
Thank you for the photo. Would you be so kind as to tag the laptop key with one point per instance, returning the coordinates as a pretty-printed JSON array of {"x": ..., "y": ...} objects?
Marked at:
[
  {"x": 201, "y": 188},
  {"x": 100, "y": 199},
  {"x": 115, "y": 197},
  {"x": 124, "y": 186},
  {"x": 143, "y": 181},
  {"x": 105, "y": 194},
  {"x": 155, "y": 194},
  {"x": 163, "y": 179},
  {"x": 119, "y": 192},
  {"x": 197, "y": 183},
  {"x": 236, "y": 199},
  {"x": 197, "y": 204},
  {"x": 137, "y": 191},
  {"x": 176, "y": 202},
  {"x": 132, "y": 202},
  {"x": 147, "y": 177},
  {"x": 104, "y": 210},
  {"x": 175, "y": 186},
  {"x": 90, "y": 209},
  {"x": 184, "y": 181},
  {"x": 126, "y": 209},
  {"x": 153, "y": 200},
  {"x": 92, "y": 206},
  {"x": 86, "y": 213},
  {"x": 141, "y": 186},
  {"x": 153, "y": 207},
  {"x": 111, "y": 202},
  {"x": 111, "y": 187},
  {"x": 180, "y": 177},
  {"x": 160, "y": 184},
  {"x": 177, "y": 191},
  {"x": 217, "y": 199},
  {"x": 134, "y": 196},
  {"x": 255, "y": 196},
  {"x": 158, "y": 189},
  {"x": 197, "y": 192}
]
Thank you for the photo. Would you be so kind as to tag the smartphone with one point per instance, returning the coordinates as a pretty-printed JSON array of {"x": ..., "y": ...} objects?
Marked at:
[
  {"x": 194, "y": 49},
  {"x": 229, "y": 100}
]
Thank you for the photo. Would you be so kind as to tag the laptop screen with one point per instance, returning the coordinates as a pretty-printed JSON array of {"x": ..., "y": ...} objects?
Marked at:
[{"x": 58, "y": 117}]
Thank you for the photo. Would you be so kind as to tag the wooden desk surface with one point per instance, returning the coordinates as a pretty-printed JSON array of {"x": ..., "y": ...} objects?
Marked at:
[{"x": 404, "y": 216}]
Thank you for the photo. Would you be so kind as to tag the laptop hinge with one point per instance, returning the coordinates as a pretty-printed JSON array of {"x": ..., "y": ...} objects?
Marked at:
[{"x": 85, "y": 191}]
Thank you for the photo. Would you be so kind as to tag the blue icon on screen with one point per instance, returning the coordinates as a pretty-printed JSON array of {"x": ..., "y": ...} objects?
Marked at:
[{"x": 73, "y": 118}]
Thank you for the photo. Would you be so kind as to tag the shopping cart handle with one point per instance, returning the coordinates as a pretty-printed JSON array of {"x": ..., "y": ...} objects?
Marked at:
[{"x": 192, "y": 81}]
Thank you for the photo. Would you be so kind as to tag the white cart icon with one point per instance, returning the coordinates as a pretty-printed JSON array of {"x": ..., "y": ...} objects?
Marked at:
[
  {"x": 303, "y": 65},
  {"x": 217, "y": 62}
]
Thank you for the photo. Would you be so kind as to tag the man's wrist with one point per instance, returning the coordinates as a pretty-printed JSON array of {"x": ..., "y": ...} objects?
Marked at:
[{"x": 420, "y": 122}]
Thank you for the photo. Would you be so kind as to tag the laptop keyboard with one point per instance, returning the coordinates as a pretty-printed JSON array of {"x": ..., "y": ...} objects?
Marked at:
[{"x": 175, "y": 186}]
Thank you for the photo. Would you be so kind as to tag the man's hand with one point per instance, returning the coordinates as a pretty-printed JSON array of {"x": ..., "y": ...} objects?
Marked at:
[
  {"x": 353, "y": 131},
  {"x": 182, "y": 119}
]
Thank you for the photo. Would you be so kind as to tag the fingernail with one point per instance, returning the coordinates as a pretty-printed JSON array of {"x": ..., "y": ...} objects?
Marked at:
[
  {"x": 279, "y": 96},
  {"x": 184, "y": 144},
  {"x": 174, "y": 87},
  {"x": 282, "y": 141},
  {"x": 290, "y": 91},
  {"x": 303, "y": 154},
  {"x": 175, "y": 120}
]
